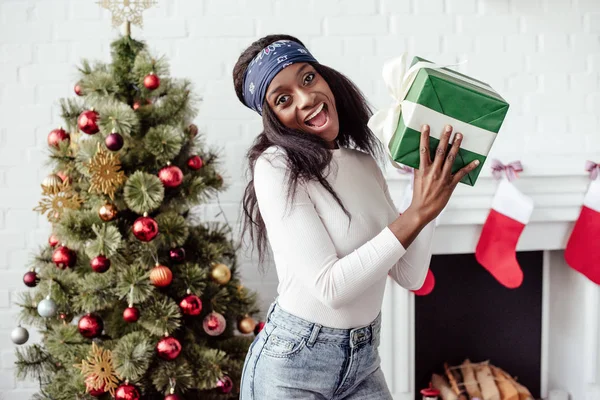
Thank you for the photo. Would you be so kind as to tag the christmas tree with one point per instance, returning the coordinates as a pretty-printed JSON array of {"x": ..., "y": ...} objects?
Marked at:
[{"x": 134, "y": 297}]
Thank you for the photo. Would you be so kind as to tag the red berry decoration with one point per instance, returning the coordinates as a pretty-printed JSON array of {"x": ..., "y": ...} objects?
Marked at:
[
  {"x": 31, "y": 279},
  {"x": 225, "y": 384},
  {"x": 259, "y": 327},
  {"x": 173, "y": 397},
  {"x": 127, "y": 392},
  {"x": 131, "y": 314},
  {"x": 177, "y": 255},
  {"x": 88, "y": 122},
  {"x": 151, "y": 81},
  {"x": 114, "y": 141},
  {"x": 195, "y": 163},
  {"x": 90, "y": 326},
  {"x": 78, "y": 90},
  {"x": 168, "y": 348},
  {"x": 191, "y": 305},
  {"x": 52, "y": 240},
  {"x": 56, "y": 136},
  {"x": 145, "y": 228},
  {"x": 64, "y": 257},
  {"x": 214, "y": 324},
  {"x": 100, "y": 264},
  {"x": 64, "y": 177},
  {"x": 171, "y": 176},
  {"x": 139, "y": 103}
]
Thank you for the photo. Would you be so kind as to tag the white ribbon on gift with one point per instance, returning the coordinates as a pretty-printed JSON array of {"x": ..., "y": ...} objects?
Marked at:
[{"x": 399, "y": 81}]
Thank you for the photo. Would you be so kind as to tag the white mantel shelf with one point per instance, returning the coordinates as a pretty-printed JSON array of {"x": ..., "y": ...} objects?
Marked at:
[{"x": 558, "y": 196}]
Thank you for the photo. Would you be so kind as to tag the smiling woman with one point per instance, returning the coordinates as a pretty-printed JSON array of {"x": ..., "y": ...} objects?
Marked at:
[{"x": 335, "y": 233}]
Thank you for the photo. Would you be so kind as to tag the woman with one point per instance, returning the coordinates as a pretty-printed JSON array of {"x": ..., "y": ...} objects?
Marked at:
[{"x": 319, "y": 195}]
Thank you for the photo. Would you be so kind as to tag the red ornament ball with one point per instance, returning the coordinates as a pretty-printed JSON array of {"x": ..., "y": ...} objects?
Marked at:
[
  {"x": 88, "y": 122},
  {"x": 56, "y": 136},
  {"x": 214, "y": 324},
  {"x": 151, "y": 81},
  {"x": 127, "y": 392},
  {"x": 63, "y": 176},
  {"x": 52, "y": 240},
  {"x": 100, "y": 264},
  {"x": 173, "y": 397},
  {"x": 131, "y": 314},
  {"x": 90, "y": 326},
  {"x": 177, "y": 254},
  {"x": 161, "y": 276},
  {"x": 78, "y": 90},
  {"x": 95, "y": 392},
  {"x": 259, "y": 327},
  {"x": 225, "y": 384},
  {"x": 191, "y": 305},
  {"x": 31, "y": 279},
  {"x": 171, "y": 176},
  {"x": 64, "y": 257},
  {"x": 195, "y": 163},
  {"x": 168, "y": 348},
  {"x": 145, "y": 229},
  {"x": 139, "y": 103},
  {"x": 114, "y": 141}
]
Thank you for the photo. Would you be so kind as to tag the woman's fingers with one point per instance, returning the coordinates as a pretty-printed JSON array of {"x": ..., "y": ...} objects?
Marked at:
[
  {"x": 464, "y": 171},
  {"x": 424, "y": 148},
  {"x": 440, "y": 152},
  {"x": 447, "y": 171}
]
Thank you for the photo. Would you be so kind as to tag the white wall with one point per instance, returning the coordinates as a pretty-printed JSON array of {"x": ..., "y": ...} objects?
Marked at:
[{"x": 543, "y": 56}]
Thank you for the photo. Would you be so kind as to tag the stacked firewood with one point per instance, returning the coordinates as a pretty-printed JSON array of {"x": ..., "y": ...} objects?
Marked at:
[{"x": 482, "y": 381}]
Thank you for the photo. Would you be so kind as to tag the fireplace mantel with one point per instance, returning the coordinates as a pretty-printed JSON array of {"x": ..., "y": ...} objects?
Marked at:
[{"x": 558, "y": 195}]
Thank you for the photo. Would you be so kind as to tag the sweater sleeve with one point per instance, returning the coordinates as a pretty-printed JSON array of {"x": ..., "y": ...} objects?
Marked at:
[
  {"x": 410, "y": 271},
  {"x": 298, "y": 236}
]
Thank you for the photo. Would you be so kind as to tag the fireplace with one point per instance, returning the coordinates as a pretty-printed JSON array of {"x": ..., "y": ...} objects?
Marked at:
[
  {"x": 568, "y": 307},
  {"x": 471, "y": 316}
]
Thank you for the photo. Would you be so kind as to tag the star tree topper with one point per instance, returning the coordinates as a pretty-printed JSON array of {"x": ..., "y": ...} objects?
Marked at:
[{"x": 127, "y": 11}]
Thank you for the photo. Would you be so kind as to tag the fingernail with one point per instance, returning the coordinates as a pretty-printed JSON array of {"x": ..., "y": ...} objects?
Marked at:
[
  {"x": 425, "y": 126},
  {"x": 459, "y": 136},
  {"x": 476, "y": 162},
  {"x": 448, "y": 128}
]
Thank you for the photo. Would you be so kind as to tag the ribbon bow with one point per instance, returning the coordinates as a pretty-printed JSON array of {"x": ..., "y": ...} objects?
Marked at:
[
  {"x": 593, "y": 168},
  {"x": 510, "y": 169},
  {"x": 398, "y": 81}
]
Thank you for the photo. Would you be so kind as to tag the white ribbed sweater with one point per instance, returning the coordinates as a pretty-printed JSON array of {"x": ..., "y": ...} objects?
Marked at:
[{"x": 332, "y": 271}]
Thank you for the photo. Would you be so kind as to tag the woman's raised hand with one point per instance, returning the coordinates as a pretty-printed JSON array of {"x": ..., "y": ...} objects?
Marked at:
[{"x": 434, "y": 182}]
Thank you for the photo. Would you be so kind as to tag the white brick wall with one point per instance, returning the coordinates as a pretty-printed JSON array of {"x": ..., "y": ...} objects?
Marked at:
[{"x": 542, "y": 55}]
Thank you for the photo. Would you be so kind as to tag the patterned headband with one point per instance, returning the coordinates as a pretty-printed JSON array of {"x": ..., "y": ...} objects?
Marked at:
[{"x": 268, "y": 63}]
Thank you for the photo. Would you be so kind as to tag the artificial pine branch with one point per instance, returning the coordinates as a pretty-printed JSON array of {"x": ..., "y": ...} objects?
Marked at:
[
  {"x": 164, "y": 142},
  {"x": 132, "y": 355},
  {"x": 173, "y": 230},
  {"x": 143, "y": 192}
]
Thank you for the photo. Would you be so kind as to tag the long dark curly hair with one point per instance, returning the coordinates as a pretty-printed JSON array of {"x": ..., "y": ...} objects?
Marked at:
[{"x": 307, "y": 154}]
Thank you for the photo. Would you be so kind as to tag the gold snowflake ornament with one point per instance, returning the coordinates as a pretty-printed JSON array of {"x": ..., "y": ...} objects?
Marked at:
[
  {"x": 106, "y": 175},
  {"x": 56, "y": 200},
  {"x": 99, "y": 371},
  {"x": 127, "y": 10}
]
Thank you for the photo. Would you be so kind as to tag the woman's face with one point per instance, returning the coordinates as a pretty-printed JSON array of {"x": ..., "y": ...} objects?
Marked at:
[{"x": 302, "y": 100}]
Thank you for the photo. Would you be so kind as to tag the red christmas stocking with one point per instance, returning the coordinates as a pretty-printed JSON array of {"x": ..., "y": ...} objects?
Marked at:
[
  {"x": 583, "y": 249},
  {"x": 496, "y": 249},
  {"x": 427, "y": 285}
]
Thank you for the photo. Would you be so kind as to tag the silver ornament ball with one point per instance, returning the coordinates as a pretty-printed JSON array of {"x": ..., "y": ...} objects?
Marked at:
[
  {"x": 19, "y": 335},
  {"x": 47, "y": 308}
]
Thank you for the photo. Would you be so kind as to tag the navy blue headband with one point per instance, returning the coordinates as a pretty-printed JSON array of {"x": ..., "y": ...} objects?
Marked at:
[{"x": 268, "y": 63}]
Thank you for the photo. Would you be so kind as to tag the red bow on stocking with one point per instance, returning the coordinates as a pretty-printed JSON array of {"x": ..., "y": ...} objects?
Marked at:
[
  {"x": 510, "y": 169},
  {"x": 593, "y": 168}
]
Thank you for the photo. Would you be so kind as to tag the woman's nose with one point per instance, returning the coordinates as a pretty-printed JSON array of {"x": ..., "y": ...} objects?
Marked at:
[{"x": 306, "y": 99}]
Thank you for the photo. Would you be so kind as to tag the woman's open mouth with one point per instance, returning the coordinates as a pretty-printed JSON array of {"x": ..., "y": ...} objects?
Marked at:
[{"x": 319, "y": 118}]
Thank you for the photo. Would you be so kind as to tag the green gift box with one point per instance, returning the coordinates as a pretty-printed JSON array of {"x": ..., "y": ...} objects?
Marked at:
[{"x": 437, "y": 96}]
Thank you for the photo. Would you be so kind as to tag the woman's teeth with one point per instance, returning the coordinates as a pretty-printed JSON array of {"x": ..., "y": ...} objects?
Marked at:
[{"x": 314, "y": 114}]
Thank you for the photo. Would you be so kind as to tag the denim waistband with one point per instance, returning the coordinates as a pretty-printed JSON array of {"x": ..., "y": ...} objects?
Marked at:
[{"x": 316, "y": 332}]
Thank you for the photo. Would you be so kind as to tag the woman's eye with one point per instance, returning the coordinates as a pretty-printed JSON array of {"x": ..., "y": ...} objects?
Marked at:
[
  {"x": 309, "y": 78},
  {"x": 281, "y": 100}
]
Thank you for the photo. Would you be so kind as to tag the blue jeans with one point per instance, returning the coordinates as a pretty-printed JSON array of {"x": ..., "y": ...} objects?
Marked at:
[{"x": 292, "y": 358}]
